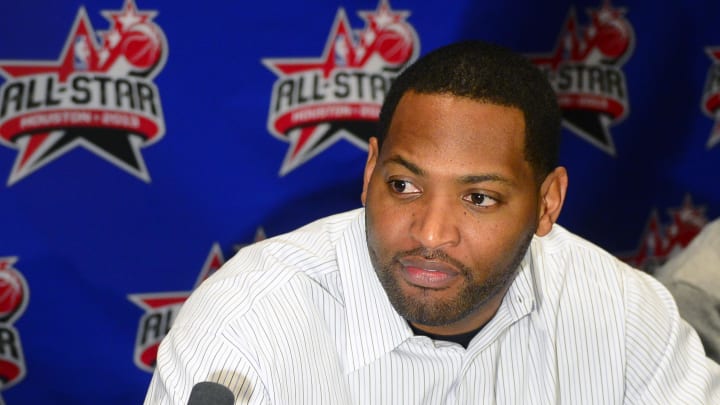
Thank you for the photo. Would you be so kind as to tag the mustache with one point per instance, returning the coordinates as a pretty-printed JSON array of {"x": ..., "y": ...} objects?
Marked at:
[{"x": 434, "y": 254}]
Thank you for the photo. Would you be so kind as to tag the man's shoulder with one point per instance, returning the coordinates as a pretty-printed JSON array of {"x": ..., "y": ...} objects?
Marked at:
[
  {"x": 304, "y": 249},
  {"x": 573, "y": 264},
  {"x": 298, "y": 250},
  {"x": 300, "y": 263},
  {"x": 577, "y": 252},
  {"x": 567, "y": 262}
]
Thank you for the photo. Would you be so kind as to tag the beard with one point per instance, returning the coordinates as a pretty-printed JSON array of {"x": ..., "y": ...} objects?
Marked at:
[{"x": 424, "y": 309}]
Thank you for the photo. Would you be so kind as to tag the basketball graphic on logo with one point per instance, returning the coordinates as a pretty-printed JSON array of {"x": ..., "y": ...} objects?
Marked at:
[
  {"x": 395, "y": 44},
  {"x": 12, "y": 292},
  {"x": 9, "y": 371},
  {"x": 141, "y": 45},
  {"x": 612, "y": 37}
]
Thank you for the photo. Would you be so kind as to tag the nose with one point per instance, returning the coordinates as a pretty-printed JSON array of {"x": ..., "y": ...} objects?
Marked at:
[{"x": 434, "y": 224}]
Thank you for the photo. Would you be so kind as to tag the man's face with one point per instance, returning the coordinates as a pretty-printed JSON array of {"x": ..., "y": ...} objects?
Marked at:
[{"x": 451, "y": 207}]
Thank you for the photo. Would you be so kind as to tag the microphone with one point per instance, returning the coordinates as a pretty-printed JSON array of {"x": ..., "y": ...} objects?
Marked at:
[{"x": 210, "y": 393}]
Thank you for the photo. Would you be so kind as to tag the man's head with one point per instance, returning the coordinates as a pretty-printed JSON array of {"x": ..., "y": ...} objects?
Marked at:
[
  {"x": 465, "y": 176},
  {"x": 489, "y": 73}
]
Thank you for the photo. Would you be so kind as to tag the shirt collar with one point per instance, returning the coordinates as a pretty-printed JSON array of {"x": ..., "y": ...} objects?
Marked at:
[
  {"x": 523, "y": 293},
  {"x": 374, "y": 328}
]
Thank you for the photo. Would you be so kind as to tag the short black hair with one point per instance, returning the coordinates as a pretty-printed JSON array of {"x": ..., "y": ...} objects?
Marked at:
[{"x": 488, "y": 73}]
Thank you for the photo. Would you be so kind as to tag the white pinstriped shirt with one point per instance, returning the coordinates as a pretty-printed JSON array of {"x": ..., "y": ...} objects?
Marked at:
[{"x": 302, "y": 319}]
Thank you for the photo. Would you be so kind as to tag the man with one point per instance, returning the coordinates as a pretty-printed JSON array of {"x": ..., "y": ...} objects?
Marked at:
[
  {"x": 693, "y": 278},
  {"x": 452, "y": 285}
]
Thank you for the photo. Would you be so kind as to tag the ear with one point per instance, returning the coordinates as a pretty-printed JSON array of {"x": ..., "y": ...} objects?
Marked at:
[
  {"x": 552, "y": 196},
  {"x": 369, "y": 167}
]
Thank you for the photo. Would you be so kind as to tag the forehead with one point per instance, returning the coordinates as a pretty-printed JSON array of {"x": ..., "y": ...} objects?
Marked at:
[{"x": 443, "y": 129}]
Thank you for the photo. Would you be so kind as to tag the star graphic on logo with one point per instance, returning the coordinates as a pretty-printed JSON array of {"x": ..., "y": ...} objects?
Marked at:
[
  {"x": 660, "y": 242},
  {"x": 346, "y": 50},
  {"x": 165, "y": 304},
  {"x": 149, "y": 301},
  {"x": 308, "y": 141},
  {"x": 81, "y": 55},
  {"x": 604, "y": 44},
  {"x": 591, "y": 126}
]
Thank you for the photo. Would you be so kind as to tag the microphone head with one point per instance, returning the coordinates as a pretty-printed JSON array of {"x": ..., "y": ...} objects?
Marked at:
[{"x": 210, "y": 393}]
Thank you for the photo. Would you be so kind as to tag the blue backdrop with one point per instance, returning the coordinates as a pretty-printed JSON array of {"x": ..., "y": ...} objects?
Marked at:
[{"x": 143, "y": 142}]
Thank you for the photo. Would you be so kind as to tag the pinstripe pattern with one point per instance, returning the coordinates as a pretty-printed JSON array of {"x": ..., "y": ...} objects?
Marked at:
[{"x": 302, "y": 319}]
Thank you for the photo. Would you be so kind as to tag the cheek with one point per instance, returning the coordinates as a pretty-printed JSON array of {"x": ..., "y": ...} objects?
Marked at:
[
  {"x": 388, "y": 225},
  {"x": 382, "y": 223},
  {"x": 493, "y": 242}
]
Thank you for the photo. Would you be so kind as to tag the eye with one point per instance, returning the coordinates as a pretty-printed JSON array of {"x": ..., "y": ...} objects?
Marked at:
[
  {"x": 402, "y": 187},
  {"x": 480, "y": 200}
]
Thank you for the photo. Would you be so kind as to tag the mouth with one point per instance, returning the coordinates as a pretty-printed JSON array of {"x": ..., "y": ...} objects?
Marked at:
[{"x": 431, "y": 274}]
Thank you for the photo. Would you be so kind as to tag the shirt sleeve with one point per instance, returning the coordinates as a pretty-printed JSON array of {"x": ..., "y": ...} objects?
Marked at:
[
  {"x": 665, "y": 361},
  {"x": 189, "y": 356}
]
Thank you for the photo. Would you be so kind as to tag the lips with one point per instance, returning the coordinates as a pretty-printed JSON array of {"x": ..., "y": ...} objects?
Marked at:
[{"x": 424, "y": 273}]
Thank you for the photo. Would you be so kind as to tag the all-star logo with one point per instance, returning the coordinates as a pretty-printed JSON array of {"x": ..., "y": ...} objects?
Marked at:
[
  {"x": 318, "y": 101},
  {"x": 659, "y": 243},
  {"x": 585, "y": 71},
  {"x": 14, "y": 298},
  {"x": 160, "y": 311},
  {"x": 96, "y": 95},
  {"x": 711, "y": 95}
]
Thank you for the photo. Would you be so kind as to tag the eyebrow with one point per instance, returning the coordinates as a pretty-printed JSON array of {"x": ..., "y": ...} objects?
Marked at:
[
  {"x": 481, "y": 178},
  {"x": 415, "y": 169},
  {"x": 467, "y": 179}
]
